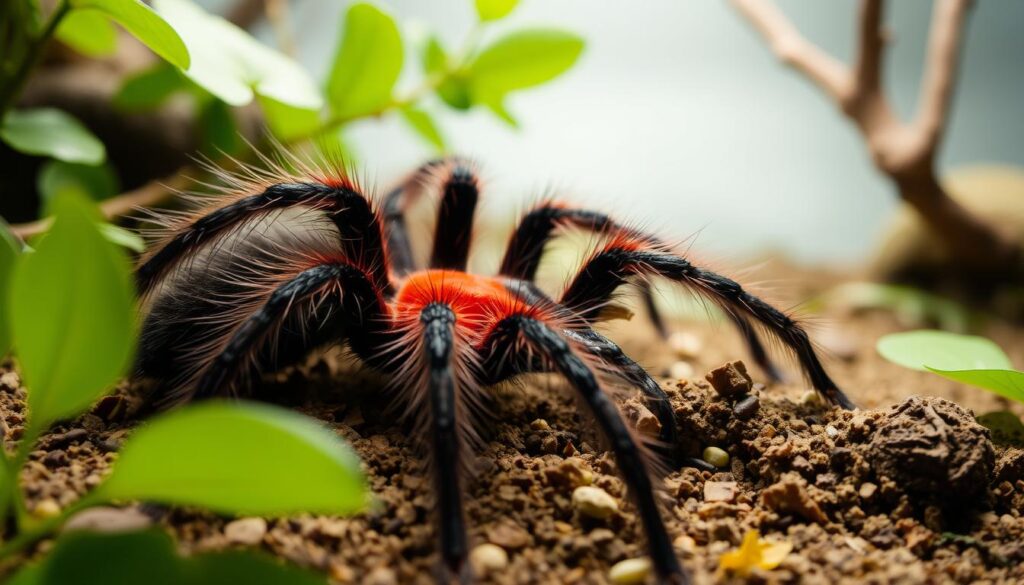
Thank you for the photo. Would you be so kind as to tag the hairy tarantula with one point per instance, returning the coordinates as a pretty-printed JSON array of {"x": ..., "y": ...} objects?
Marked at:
[{"x": 284, "y": 262}]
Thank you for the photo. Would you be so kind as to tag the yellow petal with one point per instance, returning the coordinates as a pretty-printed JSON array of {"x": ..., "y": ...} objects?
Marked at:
[{"x": 772, "y": 554}]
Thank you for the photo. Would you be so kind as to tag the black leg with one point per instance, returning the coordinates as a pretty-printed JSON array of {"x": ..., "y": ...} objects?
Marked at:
[
  {"x": 395, "y": 204},
  {"x": 559, "y": 353},
  {"x": 360, "y": 233},
  {"x": 609, "y": 269},
  {"x": 454, "y": 231},
  {"x": 652, "y": 310},
  {"x": 438, "y": 322}
]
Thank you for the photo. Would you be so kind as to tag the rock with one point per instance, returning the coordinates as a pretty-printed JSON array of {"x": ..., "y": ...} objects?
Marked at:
[
  {"x": 685, "y": 344},
  {"x": 47, "y": 508},
  {"x": 247, "y": 531},
  {"x": 789, "y": 496},
  {"x": 109, "y": 520},
  {"x": 646, "y": 423},
  {"x": 381, "y": 576},
  {"x": 720, "y": 491},
  {"x": 680, "y": 371},
  {"x": 594, "y": 502},
  {"x": 932, "y": 446},
  {"x": 487, "y": 558},
  {"x": 508, "y": 536},
  {"x": 867, "y": 489},
  {"x": 810, "y": 398},
  {"x": 716, "y": 456},
  {"x": 62, "y": 439},
  {"x": 629, "y": 571},
  {"x": 730, "y": 380},
  {"x": 540, "y": 425},
  {"x": 746, "y": 408},
  {"x": 569, "y": 473}
]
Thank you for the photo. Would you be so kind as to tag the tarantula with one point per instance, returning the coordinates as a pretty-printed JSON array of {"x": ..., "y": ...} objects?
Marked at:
[{"x": 284, "y": 262}]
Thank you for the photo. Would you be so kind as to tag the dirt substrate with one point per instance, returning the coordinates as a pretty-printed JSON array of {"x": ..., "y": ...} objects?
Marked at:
[{"x": 906, "y": 490}]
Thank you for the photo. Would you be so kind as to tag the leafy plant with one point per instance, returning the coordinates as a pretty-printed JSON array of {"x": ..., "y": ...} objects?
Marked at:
[
  {"x": 72, "y": 310},
  {"x": 964, "y": 358}
]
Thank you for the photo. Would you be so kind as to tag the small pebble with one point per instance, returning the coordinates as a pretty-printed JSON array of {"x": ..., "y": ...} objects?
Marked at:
[
  {"x": 831, "y": 431},
  {"x": 540, "y": 425},
  {"x": 720, "y": 491},
  {"x": 594, "y": 502},
  {"x": 47, "y": 508},
  {"x": 109, "y": 520},
  {"x": 680, "y": 371},
  {"x": 747, "y": 408},
  {"x": 685, "y": 344},
  {"x": 248, "y": 531},
  {"x": 488, "y": 558},
  {"x": 810, "y": 398},
  {"x": 715, "y": 456},
  {"x": 730, "y": 380},
  {"x": 381, "y": 576},
  {"x": 629, "y": 571}
]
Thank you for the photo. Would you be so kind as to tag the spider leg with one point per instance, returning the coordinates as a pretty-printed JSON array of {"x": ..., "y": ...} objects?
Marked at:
[
  {"x": 557, "y": 351},
  {"x": 454, "y": 231},
  {"x": 538, "y": 226},
  {"x": 395, "y": 203},
  {"x": 357, "y": 223},
  {"x": 337, "y": 285},
  {"x": 622, "y": 258}
]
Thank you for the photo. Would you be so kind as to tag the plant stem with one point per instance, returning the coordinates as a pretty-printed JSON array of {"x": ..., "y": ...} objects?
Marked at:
[{"x": 35, "y": 52}]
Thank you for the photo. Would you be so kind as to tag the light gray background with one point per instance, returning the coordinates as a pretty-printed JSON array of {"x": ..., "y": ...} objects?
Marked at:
[{"x": 677, "y": 115}]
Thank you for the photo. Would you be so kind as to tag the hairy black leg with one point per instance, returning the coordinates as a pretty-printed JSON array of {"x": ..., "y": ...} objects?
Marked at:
[
  {"x": 395, "y": 204},
  {"x": 610, "y": 269},
  {"x": 454, "y": 230},
  {"x": 360, "y": 232},
  {"x": 438, "y": 322},
  {"x": 356, "y": 304},
  {"x": 755, "y": 347},
  {"x": 526, "y": 247},
  {"x": 556, "y": 350}
]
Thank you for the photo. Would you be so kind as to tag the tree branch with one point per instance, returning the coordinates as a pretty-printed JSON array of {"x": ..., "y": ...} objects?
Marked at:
[
  {"x": 867, "y": 68},
  {"x": 793, "y": 49},
  {"x": 941, "y": 63}
]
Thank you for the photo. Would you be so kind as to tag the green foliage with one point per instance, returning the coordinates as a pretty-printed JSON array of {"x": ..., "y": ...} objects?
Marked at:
[
  {"x": 70, "y": 296},
  {"x": 89, "y": 32},
  {"x": 489, "y": 10},
  {"x": 424, "y": 125},
  {"x": 143, "y": 24},
  {"x": 520, "y": 60},
  {"x": 969, "y": 359},
  {"x": 238, "y": 458},
  {"x": 149, "y": 557},
  {"x": 51, "y": 132},
  {"x": 98, "y": 182},
  {"x": 148, "y": 89},
  {"x": 9, "y": 250},
  {"x": 287, "y": 122},
  {"x": 232, "y": 65},
  {"x": 367, "y": 63},
  {"x": 914, "y": 307}
]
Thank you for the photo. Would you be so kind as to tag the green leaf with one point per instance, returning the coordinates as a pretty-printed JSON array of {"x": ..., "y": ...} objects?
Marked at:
[
  {"x": 489, "y": 10},
  {"x": 497, "y": 106},
  {"x": 150, "y": 557},
  {"x": 9, "y": 250},
  {"x": 238, "y": 458},
  {"x": 434, "y": 57},
  {"x": 51, "y": 132},
  {"x": 913, "y": 307},
  {"x": 522, "y": 59},
  {"x": 232, "y": 65},
  {"x": 454, "y": 91},
  {"x": 220, "y": 134},
  {"x": 289, "y": 123},
  {"x": 145, "y": 25},
  {"x": 424, "y": 125},
  {"x": 965, "y": 358},
  {"x": 367, "y": 64},
  {"x": 122, "y": 237},
  {"x": 89, "y": 32},
  {"x": 73, "y": 313},
  {"x": 98, "y": 182},
  {"x": 150, "y": 88},
  {"x": 1006, "y": 427}
]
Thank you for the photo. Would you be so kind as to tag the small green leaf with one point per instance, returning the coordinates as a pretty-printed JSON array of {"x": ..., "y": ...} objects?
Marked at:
[
  {"x": 522, "y": 59},
  {"x": 489, "y": 10},
  {"x": 497, "y": 106},
  {"x": 150, "y": 88},
  {"x": 145, "y": 25},
  {"x": 220, "y": 134},
  {"x": 454, "y": 91},
  {"x": 51, "y": 132},
  {"x": 367, "y": 63},
  {"x": 73, "y": 313},
  {"x": 424, "y": 125},
  {"x": 289, "y": 123},
  {"x": 238, "y": 458},
  {"x": 1006, "y": 427},
  {"x": 964, "y": 358},
  {"x": 434, "y": 57},
  {"x": 122, "y": 237},
  {"x": 98, "y": 182},
  {"x": 232, "y": 65},
  {"x": 89, "y": 32},
  {"x": 9, "y": 250},
  {"x": 150, "y": 557}
]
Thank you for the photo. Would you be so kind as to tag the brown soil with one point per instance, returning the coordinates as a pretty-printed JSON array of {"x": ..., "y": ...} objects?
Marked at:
[{"x": 906, "y": 490}]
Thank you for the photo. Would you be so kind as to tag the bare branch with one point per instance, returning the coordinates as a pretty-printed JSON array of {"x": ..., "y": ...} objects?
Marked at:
[
  {"x": 948, "y": 20},
  {"x": 793, "y": 49},
  {"x": 867, "y": 69}
]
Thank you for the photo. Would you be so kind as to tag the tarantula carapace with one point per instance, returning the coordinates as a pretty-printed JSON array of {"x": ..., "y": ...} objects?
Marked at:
[{"x": 282, "y": 263}]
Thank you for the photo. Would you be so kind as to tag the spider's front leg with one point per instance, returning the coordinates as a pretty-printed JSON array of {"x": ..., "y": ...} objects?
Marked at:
[{"x": 558, "y": 354}]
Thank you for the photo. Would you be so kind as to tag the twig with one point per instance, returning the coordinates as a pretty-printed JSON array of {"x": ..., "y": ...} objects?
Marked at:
[
  {"x": 31, "y": 58},
  {"x": 905, "y": 152}
]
